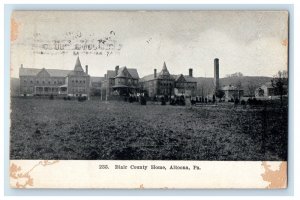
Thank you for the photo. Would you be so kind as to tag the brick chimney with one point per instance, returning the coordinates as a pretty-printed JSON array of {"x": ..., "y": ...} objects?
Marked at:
[
  {"x": 216, "y": 74},
  {"x": 190, "y": 72},
  {"x": 155, "y": 73},
  {"x": 117, "y": 69},
  {"x": 87, "y": 69}
]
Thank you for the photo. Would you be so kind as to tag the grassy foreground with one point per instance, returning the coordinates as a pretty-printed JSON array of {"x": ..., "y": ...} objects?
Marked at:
[{"x": 58, "y": 129}]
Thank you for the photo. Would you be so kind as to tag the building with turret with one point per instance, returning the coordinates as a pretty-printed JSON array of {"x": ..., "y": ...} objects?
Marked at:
[
  {"x": 56, "y": 82},
  {"x": 166, "y": 84}
]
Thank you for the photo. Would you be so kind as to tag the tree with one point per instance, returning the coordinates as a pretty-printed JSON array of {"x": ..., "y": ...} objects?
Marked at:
[
  {"x": 237, "y": 74},
  {"x": 220, "y": 94},
  {"x": 280, "y": 83},
  {"x": 239, "y": 88},
  {"x": 251, "y": 88}
]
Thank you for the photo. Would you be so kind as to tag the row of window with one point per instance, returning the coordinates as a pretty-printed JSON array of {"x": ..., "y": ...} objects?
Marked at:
[
  {"x": 49, "y": 82},
  {"x": 78, "y": 90},
  {"x": 78, "y": 81},
  {"x": 125, "y": 81},
  {"x": 185, "y": 85},
  {"x": 39, "y": 89}
]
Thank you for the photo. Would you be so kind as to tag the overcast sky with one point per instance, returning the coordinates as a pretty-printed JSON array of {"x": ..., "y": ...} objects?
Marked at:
[{"x": 254, "y": 43}]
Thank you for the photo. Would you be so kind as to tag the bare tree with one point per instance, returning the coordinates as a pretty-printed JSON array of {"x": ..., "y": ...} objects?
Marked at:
[
  {"x": 239, "y": 87},
  {"x": 280, "y": 83},
  {"x": 234, "y": 75}
]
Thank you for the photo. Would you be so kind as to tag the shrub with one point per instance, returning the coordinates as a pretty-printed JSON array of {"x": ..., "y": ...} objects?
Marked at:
[
  {"x": 163, "y": 101},
  {"x": 69, "y": 98},
  {"x": 193, "y": 102},
  {"x": 143, "y": 100},
  {"x": 130, "y": 99},
  {"x": 243, "y": 102},
  {"x": 172, "y": 102},
  {"x": 236, "y": 101},
  {"x": 51, "y": 97},
  {"x": 82, "y": 99}
]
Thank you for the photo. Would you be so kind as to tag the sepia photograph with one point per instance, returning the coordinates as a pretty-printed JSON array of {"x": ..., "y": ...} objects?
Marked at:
[{"x": 149, "y": 85}]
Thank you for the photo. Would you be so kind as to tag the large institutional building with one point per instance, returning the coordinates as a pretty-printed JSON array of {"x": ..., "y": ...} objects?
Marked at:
[
  {"x": 118, "y": 82},
  {"x": 166, "y": 84},
  {"x": 46, "y": 82}
]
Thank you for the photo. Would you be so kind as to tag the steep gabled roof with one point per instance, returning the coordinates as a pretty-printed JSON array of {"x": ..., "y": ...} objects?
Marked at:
[
  {"x": 52, "y": 72},
  {"x": 111, "y": 73},
  {"x": 176, "y": 77},
  {"x": 164, "y": 71},
  {"x": 58, "y": 72},
  {"x": 78, "y": 66},
  {"x": 29, "y": 71},
  {"x": 121, "y": 73},
  {"x": 133, "y": 72},
  {"x": 189, "y": 78}
]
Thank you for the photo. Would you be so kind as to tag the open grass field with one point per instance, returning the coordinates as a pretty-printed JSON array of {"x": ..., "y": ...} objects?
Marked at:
[{"x": 58, "y": 129}]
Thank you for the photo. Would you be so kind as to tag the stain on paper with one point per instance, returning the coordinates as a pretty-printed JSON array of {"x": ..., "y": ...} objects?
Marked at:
[
  {"x": 276, "y": 178},
  {"x": 284, "y": 42},
  {"x": 14, "y": 30},
  {"x": 23, "y": 179}
]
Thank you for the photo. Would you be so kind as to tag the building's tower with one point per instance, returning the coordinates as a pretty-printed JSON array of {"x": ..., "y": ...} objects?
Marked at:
[
  {"x": 216, "y": 74},
  {"x": 87, "y": 69},
  {"x": 190, "y": 72}
]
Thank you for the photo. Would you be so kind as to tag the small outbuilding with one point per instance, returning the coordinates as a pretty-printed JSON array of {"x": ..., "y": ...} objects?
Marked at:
[{"x": 232, "y": 92}]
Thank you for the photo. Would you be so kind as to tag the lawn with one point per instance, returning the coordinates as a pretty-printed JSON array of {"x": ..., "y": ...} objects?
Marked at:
[{"x": 59, "y": 129}]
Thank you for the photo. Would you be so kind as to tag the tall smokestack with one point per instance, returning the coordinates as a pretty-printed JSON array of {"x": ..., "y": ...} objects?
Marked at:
[
  {"x": 216, "y": 74},
  {"x": 191, "y": 72},
  {"x": 87, "y": 69},
  {"x": 117, "y": 69},
  {"x": 155, "y": 73}
]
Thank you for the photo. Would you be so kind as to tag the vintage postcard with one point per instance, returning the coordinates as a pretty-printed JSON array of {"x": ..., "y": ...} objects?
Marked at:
[{"x": 149, "y": 99}]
